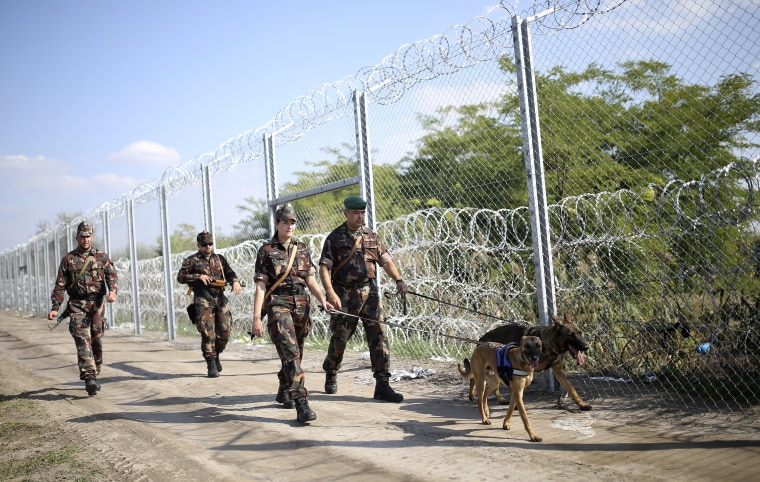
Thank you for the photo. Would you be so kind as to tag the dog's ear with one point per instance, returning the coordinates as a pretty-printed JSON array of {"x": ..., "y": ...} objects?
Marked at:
[
  {"x": 555, "y": 319},
  {"x": 568, "y": 318}
]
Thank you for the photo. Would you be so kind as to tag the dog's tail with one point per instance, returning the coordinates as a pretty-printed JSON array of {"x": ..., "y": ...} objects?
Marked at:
[{"x": 466, "y": 372}]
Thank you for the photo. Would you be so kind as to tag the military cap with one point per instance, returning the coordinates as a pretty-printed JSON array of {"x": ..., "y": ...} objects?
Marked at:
[
  {"x": 354, "y": 202},
  {"x": 84, "y": 229},
  {"x": 205, "y": 237},
  {"x": 285, "y": 213}
]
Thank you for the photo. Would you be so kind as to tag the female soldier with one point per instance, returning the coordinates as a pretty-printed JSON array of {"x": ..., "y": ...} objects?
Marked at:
[{"x": 283, "y": 270}]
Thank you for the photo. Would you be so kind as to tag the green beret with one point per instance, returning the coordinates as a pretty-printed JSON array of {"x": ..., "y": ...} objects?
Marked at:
[{"x": 354, "y": 202}]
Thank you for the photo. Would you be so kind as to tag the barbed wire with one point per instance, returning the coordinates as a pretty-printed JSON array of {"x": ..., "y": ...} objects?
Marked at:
[{"x": 461, "y": 46}]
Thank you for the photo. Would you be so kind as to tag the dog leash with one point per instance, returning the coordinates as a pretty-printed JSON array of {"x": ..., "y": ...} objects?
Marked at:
[
  {"x": 403, "y": 298},
  {"x": 397, "y": 325}
]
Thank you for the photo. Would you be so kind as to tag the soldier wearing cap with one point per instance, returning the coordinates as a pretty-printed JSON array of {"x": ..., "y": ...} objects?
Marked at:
[
  {"x": 348, "y": 269},
  {"x": 88, "y": 276},
  {"x": 208, "y": 273},
  {"x": 283, "y": 270}
]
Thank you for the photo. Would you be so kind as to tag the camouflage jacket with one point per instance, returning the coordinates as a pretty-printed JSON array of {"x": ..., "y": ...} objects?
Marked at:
[
  {"x": 272, "y": 261},
  {"x": 362, "y": 266},
  {"x": 215, "y": 266},
  {"x": 99, "y": 274}
]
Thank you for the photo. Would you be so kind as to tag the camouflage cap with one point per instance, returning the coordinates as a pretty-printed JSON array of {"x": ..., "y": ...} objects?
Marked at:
[
  {"x": 354, "y": 202},
  {"x": 84, "y": 229},
  {"x": 285, "y": 213},
  {"x": 204, "y": 237}
]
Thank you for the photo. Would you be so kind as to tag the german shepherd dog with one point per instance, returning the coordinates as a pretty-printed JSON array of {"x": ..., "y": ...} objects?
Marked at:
[
  {"x": 484, "y": 371},
  {"x": 562, "y": 336}
]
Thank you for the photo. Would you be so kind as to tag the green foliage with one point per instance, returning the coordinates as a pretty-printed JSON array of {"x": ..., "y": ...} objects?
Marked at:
[
  {"x": 255, "y": 221},
  {"x": 323, "y": 212}
]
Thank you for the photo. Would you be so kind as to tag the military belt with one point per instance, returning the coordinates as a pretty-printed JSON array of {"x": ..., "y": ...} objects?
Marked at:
[
  {"x": 359, "y": 284},
  {"x": 288, "y": 290},
  {"x": 87, "y": 298}
]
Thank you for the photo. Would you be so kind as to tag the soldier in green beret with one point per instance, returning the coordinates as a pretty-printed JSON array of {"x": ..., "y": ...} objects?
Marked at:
[{"x": 348, "y": 270}]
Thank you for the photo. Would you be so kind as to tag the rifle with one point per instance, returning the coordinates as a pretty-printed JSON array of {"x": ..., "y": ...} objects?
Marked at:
[
  {"x": 217, "y": 283},
  {"x": 64, "y": 314}
]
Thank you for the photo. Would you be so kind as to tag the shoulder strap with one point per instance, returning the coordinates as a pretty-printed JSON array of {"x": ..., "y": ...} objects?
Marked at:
[
  {"x": 347, "y": 258},
  {"x": 287, "y": 270},
  {"x": 81, "y": 271}
]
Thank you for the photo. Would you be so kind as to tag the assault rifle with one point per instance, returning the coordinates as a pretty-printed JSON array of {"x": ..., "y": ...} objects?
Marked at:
[{"x": 64, "y": 314}]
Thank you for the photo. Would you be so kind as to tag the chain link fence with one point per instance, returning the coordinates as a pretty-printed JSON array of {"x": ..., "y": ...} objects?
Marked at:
[{"x": 649, "y": 127}]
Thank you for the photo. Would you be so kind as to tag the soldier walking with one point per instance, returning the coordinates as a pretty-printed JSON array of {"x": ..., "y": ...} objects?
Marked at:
[
  {"x": 348, "y": 269},
  {"x": 283, "y": 270},
  {"x": 88, "y": 276},
  {"x": 208, "y": 273}
]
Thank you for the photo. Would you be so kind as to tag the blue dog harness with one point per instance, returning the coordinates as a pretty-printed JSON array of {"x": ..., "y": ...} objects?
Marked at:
[{"x": 503, "y": 367}]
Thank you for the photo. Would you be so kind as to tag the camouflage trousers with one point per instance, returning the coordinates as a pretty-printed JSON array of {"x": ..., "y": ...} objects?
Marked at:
[
  {"x": 289, "y": 322},
  {"x": 87, "y": 326},
  {"x": 364, "y": 302},
  {"x": 214, "y": 323}
]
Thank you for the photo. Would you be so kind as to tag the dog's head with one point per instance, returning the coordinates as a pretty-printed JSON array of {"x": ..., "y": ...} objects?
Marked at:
[
  {"x": 530, "y": 348},
  {"x": 570, "y": 337}
]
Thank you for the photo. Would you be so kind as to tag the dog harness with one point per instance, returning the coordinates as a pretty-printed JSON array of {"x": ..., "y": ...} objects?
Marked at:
[{"x": 503, "y": 367}]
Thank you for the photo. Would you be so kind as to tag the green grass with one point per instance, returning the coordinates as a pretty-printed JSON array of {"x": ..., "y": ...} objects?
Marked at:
[{"x": 38, "y": 451}]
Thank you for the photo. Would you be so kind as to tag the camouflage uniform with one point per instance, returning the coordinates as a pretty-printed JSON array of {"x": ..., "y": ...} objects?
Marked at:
[
  {"x": 288, "y": 308},
  {"x": 86, "y": 302},
  {"x": 355, "y": 283},
  {"x": 213, "y": 320}
]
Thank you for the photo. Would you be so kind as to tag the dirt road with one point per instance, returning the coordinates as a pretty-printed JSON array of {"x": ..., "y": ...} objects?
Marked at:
[{"x": 158, "y": 417}]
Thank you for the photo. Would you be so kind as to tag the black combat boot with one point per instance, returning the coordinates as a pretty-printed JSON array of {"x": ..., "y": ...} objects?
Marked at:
[
  {"x": 283, "y": 397},
  {"x": 331, "y": 383},
  {"x": 305, "y": 414},
  {"x": 383, "y": 391},
  {"x": 91, "y": 385},
  {"x": 212, "y": 370},
  {"x": 218, "y": 363}
]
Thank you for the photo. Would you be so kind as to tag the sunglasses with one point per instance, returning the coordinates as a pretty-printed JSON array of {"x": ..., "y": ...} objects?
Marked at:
[{"x": 206, "y": 245}]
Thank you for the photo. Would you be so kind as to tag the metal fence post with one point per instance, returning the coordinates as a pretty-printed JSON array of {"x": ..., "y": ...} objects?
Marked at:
[
  {"x": 366, "y": 181},
  {"x": 271, "y": 174},
  {"x": 133, "y": 264},
  {"x": 107, "y": 249},
  {"x": 540, "y": 229},
  {"x": 168, "y": 279}
]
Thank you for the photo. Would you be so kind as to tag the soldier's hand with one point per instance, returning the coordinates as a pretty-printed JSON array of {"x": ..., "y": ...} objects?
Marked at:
[
  {"x": 257, "y": 328},
  {"x": 111, "y": 296},
  {"x": 52, "y": 314},
  {"x": 205, "y": 279},
  {"x": 333, "y": 299},
  {"x": 236, "y": 288},
  {"x": 401, "y": 287}
]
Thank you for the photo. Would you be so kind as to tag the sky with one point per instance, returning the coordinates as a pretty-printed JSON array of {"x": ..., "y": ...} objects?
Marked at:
[{"x": 98, "y": 97}]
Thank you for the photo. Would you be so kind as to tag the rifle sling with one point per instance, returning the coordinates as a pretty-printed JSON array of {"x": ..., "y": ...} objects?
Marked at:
[
  {"x": 286, "y": 273},
  {"x": 348, "y": 258}
]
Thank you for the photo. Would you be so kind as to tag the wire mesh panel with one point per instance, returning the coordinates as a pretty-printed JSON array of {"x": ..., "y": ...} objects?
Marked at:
[{"x": 648, "y": 116}]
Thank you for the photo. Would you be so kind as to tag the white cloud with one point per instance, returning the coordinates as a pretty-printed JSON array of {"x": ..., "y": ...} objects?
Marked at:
[
  {"x": 146, "y": 153},
  {"x": 13, "y": 164}
]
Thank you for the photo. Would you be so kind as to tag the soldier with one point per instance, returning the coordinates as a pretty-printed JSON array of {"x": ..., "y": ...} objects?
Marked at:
[
  {"x": 208, "y": 274},
  {"x": 88, "y": 276},
  {"x": 283, "y": 269},
  {"x": 348, "y": 269}
]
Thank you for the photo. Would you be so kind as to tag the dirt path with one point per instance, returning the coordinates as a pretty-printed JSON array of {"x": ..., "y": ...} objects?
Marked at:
[{"x": 159, "y": 418}]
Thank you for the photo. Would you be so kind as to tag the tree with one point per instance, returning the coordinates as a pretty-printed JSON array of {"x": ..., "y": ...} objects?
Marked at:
[
  {"x": 322, "y": 212},
  {"x": 255, "y": 221}
]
